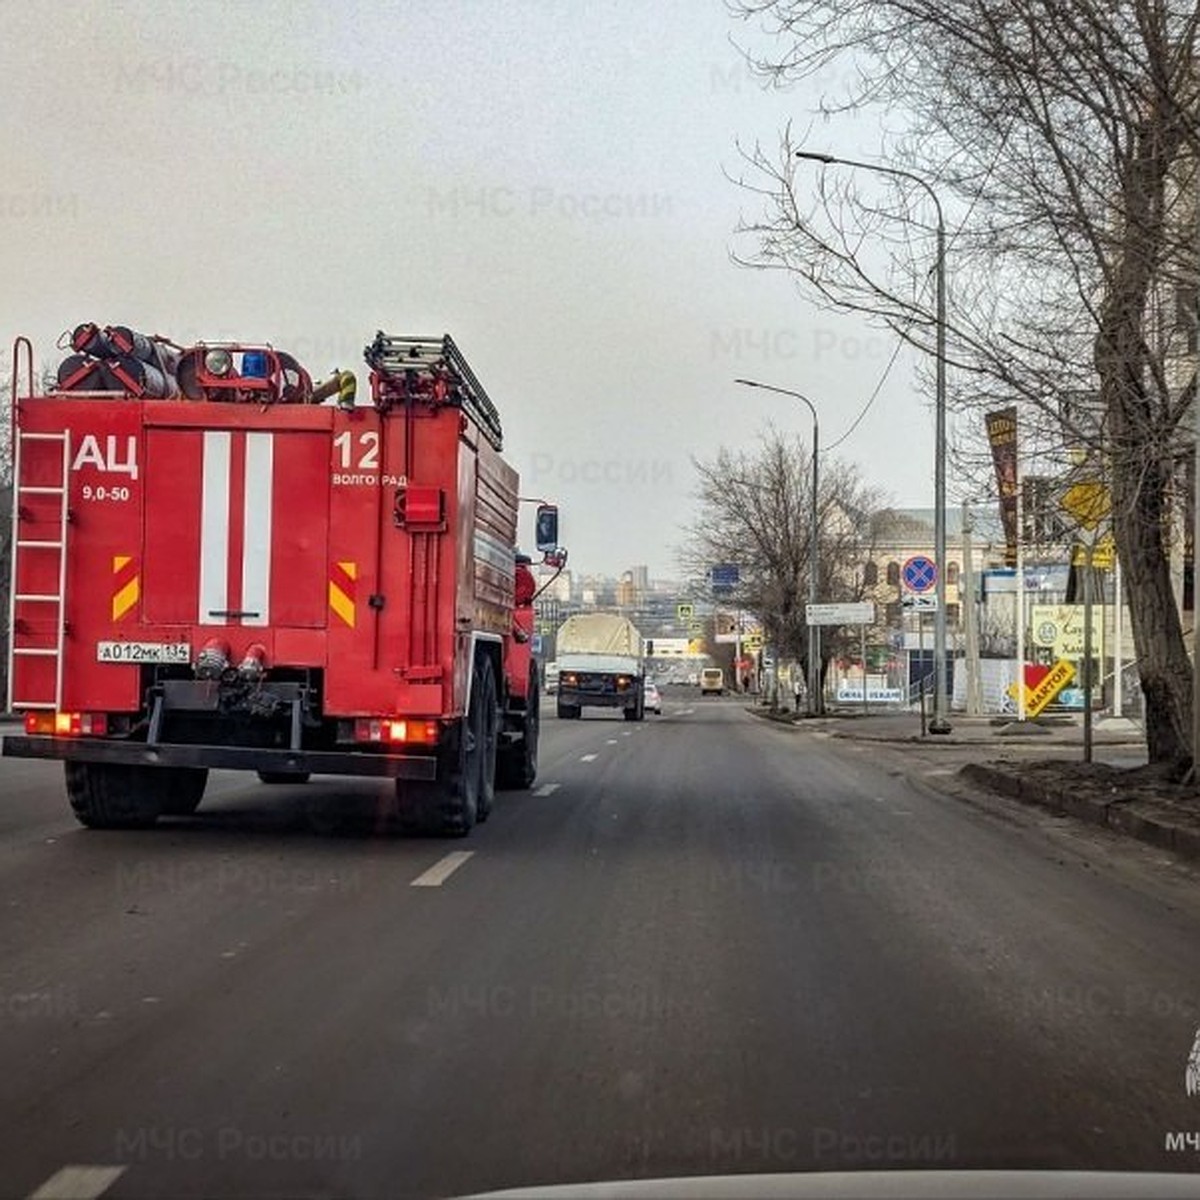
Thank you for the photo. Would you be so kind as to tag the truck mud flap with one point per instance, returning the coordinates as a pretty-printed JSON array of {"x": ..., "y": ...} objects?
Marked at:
[{"x": 230, "y": 758}]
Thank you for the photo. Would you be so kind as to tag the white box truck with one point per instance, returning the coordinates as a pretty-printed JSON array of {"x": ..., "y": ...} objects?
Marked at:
[{"x": 600, "y": 665}]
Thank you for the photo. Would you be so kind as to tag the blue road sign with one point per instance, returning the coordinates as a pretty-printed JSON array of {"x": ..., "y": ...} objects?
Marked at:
[
  {"x": 537, "y": 643},
  {"x": 919, "y": 573},
  {"x": 724, "y": 577}
]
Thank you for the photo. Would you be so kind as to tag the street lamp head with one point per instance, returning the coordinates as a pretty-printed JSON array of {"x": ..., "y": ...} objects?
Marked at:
[{"x": 815, "y": 156}]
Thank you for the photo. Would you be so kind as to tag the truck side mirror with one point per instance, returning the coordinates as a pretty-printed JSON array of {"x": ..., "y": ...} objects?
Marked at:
[{"x": 546, "y": 528}]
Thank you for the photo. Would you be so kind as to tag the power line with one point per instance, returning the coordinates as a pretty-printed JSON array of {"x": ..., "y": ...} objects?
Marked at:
[{"x": 866, "y": 408}]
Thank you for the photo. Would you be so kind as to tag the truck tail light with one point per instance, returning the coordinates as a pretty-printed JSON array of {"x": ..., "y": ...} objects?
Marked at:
[
  {"x": 67, "y": 724},
  {"x": 392, "y": 730},
  {"x": 569, "y": 678},
  {"x": 623, "y": 682}
]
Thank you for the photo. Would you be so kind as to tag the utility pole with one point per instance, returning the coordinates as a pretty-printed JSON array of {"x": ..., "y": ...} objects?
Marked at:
[
  {"x": 970, "y": 617},
  {"x": 1020, "y": 598},
  {"x": 939, "y": 724}
]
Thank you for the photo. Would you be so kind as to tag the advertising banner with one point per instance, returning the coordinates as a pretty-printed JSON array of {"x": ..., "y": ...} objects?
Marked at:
[{"x": 1002, "y": 437}]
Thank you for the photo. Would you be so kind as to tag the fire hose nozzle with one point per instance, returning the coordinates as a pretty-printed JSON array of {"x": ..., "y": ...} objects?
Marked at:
[
  {"x": 213, "y": 660},
  {"x": 341, "y": 384},
  {"x": 254, "y": 663}
]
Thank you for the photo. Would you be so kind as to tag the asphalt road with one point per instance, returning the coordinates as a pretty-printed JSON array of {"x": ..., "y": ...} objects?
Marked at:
[{"x": 702, "y": 944}]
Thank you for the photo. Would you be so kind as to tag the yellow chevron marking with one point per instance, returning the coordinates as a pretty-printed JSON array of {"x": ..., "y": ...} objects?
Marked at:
[
  {"x": 126, "y": 598},
  {"x": 341, "y": 604}
]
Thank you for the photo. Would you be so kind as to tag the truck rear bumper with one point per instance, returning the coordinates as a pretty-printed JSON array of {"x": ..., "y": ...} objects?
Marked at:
[
  {"x": 591, "y": 700},
  {"x": 229, "y": 758}
]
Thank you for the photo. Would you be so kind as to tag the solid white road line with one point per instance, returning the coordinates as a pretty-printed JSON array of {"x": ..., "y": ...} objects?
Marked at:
[
  {"x": 442, "y": 870},
  {"x": 547, "y": 789},
  {"x": 78, "y": 1183},
  {"x": 587, "y": 758}
]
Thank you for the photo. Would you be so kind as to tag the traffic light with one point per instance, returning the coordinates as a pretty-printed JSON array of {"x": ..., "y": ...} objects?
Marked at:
[{"x": 650, "y": 648}]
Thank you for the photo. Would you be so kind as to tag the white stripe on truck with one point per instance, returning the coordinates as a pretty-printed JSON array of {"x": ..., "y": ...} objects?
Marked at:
[
  {"x": 214, "y": 527},
  {"x": 256, "y": 544}
]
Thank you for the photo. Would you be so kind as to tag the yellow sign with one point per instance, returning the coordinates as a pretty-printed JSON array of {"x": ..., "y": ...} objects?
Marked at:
[
  {"x": 1089, "y": 503},
  {"x": 685, "y": 612},
  {"x": 753, "y": 641},
  {"x": 1052, "y": 683},
  {"x": 1104, "y": 554}
]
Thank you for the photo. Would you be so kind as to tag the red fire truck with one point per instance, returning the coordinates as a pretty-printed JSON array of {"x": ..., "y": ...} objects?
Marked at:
[{"x": 218, "y": 563}]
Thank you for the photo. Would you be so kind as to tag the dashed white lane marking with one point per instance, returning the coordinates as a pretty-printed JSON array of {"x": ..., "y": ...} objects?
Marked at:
[
  {"x": 547, "y": 789},
  {"x": 442, "y": 869},
  {"x": 78, "y": 1183},
  {"x": 627, "y": 733},
  {"x": 685, "y": 712},
  {"x": 587, "y": 757},
  {"x": 610, "y": 741}
]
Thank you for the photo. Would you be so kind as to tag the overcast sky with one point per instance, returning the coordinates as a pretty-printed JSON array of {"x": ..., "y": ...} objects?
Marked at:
[{"x": 544, "y": 181}]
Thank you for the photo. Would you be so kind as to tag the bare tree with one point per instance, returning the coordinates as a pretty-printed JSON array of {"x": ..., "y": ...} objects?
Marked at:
[
  {"x": 1061, "y": 136},
  {"x": 754, "y": 511}
]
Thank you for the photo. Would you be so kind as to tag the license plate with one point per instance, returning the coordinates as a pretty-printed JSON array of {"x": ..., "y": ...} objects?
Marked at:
[{"x": 143, "y": 652}]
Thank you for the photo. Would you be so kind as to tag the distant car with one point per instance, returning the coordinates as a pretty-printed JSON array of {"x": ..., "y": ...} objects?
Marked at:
[
  {"x": 551, "y": 678},
  {"x": 653, "y": 698},
  {"x": 712, "y": 679}
]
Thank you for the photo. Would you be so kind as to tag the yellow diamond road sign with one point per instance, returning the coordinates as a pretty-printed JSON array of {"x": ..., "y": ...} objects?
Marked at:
[{"x": 1089, "y": 503}]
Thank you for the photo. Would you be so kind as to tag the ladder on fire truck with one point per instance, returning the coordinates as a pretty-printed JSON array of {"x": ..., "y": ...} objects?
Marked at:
[
  {"x": 410, "y": 365},
  {"x": 24, "y": 641}
]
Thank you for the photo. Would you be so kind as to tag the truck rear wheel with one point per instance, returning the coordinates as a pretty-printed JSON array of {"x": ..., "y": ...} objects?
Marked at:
[
  {"x": 568, "y": 712},
  {"x": 638, "y": 711},
  {"x": 485, "y": 681},
  {"x": 517, "y": 765},
  {"x": 182, "y": 789},
  {"x": 449, "y": 805},
  {"x": 114, "y": 795}
]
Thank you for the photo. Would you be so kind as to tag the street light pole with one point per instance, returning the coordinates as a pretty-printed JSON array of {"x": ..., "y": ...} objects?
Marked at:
[
  {"x": 814, "y": 645},
  {"x": 939, "y": 724}
]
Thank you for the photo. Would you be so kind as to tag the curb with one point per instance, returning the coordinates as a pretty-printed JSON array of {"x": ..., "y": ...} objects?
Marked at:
[
  {"x": 1121, "y": 814},
  {"x": 995, "y": 740},
  {"x": 1046, "y": 738}
]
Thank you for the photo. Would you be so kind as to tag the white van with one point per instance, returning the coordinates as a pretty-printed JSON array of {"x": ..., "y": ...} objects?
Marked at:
[
  {"x": 551, "y": 678},
  {"x": 712, "y": 679}
]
